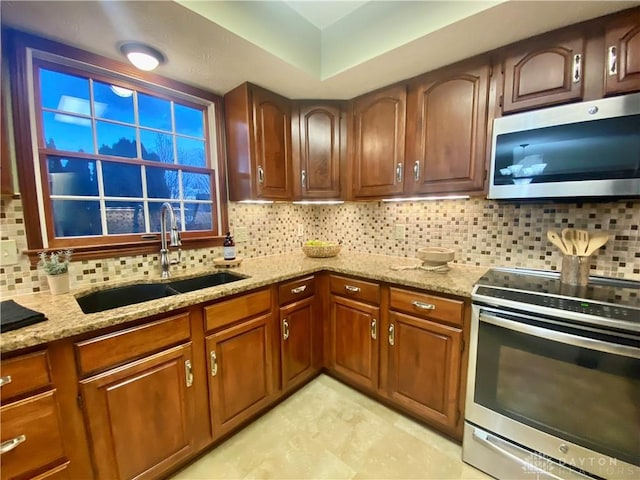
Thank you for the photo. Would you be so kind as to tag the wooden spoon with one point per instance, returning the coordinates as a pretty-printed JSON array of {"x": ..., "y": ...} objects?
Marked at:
[
  {"x": 581, "y": 241},
  {"x": 557, "y": 241},
  {"x": 595, "y": 242},
  {"x": 567, "y": 239}
]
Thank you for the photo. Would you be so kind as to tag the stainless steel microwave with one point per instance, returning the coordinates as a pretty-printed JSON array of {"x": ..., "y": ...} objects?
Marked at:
[{"x": 588, "y": 149}]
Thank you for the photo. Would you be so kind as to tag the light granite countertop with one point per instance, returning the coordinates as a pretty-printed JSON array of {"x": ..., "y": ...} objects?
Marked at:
[{"x": 65, "y": 319}]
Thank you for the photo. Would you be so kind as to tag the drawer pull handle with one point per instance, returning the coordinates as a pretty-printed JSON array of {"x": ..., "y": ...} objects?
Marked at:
[
  {"x": 392, "y": 335},
  {"x": 11, "y": 444},
  {"x": 188, "y": 373},
  {"x": 577, "y": 68},
  {"x": 285, "y": 329},
  {"x": 214, "y": 363},
  {"x": 613, "y": 61},
  {"x": 416, "y": 170},
  {"x": 423, "y": 306},
  {"x": 374, "y": 329},
  {"x": 299, "y": 289},
  {"x": 5, "y": 380},
  {"x": 260, "y": 175},
  {"x": 399, "y": 172},
  {"x": 303, "y": 179},
  {"x": 351, "y": 288}
]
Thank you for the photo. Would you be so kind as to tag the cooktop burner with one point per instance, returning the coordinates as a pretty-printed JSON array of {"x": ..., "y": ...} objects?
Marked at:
[{"x": 606, "y": 298}]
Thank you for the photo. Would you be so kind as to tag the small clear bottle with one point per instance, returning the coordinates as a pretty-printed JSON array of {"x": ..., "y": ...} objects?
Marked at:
[{"x": 229, "y": 248}]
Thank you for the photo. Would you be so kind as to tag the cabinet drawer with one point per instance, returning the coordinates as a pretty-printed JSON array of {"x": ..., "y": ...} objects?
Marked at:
[
  {"x": 60, "y": 472},
  {"x": 230, "y": 311},
  {"x": 118, "y": 347},
  {"x": 427, "y": 306},
  {"x": 33, "y": 426},
  {"x": 356, "y": 289},
  {"x": 296, "y": 290},
  {"x": 24, "y": 374}
]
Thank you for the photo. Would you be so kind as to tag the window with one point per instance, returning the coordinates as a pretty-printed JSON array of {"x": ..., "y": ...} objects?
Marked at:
[{"x": 111, "y": 149}]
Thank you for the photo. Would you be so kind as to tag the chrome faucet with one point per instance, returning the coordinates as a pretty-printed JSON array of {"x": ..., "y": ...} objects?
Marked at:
[{"x": 174, "y": 236}]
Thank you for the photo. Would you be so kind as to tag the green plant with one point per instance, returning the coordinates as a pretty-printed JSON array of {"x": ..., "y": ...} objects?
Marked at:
[{"x": 55, "y": 263}]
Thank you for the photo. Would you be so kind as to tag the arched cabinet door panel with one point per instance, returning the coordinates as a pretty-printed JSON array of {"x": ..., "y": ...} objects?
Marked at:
[{"x": 622, "y": 50}]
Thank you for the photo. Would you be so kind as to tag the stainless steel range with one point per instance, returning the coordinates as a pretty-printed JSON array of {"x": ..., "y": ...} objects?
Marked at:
[{"x": 554, "y": 377}]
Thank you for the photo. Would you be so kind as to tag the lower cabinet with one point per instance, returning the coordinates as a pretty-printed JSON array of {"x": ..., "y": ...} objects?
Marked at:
[{"x": 297, "y": 349}]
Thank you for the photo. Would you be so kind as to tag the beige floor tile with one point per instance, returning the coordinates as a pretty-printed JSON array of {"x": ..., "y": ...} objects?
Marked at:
[{"x": 328, "y": 430}]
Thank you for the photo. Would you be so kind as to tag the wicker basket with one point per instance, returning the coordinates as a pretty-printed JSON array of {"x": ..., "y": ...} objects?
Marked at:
[{"x": 321, "y": 251}]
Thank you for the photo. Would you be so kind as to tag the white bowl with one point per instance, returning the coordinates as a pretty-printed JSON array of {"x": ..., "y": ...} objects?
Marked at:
[{"x": 435, "y": 255}]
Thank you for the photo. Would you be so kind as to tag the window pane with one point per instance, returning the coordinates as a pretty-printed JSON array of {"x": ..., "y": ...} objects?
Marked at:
[
  {"x": 125, "y": 217},
  {"x": 154, "y": 112},
  {"x": 189, "y": 121},
  {"x": 197, "y": 216},
  {"x": 191, "y": 152},
  {"x": 112, "y": 102},
  {"x": 121, "y": 180},
  {"x": 65, "y": 92},
  {"x": 116, "y": 140},
  {"x": 72, "y": 176},
  {"x": 76, "y": 218},
  {"x": 154, "y": 216},
  {"x": 162, "y": 183},
  {"x": 156, "y": 146},
  {"x": 67, "y": 132},
  {"x": 196, "y": 186}
]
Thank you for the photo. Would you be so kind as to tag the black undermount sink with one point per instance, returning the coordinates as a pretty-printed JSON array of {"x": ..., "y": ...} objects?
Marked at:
[{"x": 128, "y": 295}]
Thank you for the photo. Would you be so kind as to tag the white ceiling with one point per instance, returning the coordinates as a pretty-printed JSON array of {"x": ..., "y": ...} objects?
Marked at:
[{"x": 299, "y": 49}]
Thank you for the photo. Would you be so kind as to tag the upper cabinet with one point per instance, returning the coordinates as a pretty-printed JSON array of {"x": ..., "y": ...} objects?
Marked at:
[
  {"x": 544, "y": 72},
  {"x": 258, "y": 133},
  {"x": 377, "y": 150},
  {"x": 447, "y": 130},
  {"x": 319, "y": 137},
  {"x": 622, "y": 43}
]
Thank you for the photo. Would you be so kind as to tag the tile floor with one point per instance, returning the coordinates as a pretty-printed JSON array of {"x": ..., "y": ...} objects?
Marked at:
[{"x": 328, "y": 430}]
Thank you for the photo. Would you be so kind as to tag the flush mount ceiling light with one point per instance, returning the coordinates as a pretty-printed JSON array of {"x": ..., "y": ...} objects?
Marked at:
[{"x": 142, "y": 56}]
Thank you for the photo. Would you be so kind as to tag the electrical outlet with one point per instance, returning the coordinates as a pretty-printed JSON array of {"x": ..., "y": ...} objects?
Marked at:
[
  {"x": 240, "y": 234},
  {"x": 8, "y": 252},
  {"x": 399, "y": 231},
  {"x": 300, "y": 229}
]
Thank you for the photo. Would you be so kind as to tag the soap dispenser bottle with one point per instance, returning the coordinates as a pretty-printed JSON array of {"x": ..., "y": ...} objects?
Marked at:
[{"x": 229, "y": 247}]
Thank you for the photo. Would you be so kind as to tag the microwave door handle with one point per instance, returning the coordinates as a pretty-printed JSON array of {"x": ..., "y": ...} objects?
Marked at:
[{"x": 561, "y": 337}]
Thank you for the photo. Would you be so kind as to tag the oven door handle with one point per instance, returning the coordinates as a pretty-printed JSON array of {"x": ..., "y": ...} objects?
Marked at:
[{"x": 554, "y": 335}]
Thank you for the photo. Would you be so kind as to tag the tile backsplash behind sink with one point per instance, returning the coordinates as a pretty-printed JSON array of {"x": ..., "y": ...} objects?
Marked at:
[{"x": 482, "y": 232}]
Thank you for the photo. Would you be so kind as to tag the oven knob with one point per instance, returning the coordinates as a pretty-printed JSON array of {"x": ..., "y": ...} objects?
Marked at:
[{"x": 563, "y": 448}]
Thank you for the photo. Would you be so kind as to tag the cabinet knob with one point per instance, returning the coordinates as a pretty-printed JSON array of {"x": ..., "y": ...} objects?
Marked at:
[
  {"x": 392, "y": 335},
  {"x": 5, "y": 380},
  {"x": 612, "y": 63},
  {"x": 374, "y": 329},
  {"x": 11, "y": 444},
  {"x": 214, "y": 363},
  {"x": 285, "y": 329}
]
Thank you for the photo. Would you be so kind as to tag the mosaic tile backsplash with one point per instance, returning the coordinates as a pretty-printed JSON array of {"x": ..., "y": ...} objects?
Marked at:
[{"x": 482, "y": 232}]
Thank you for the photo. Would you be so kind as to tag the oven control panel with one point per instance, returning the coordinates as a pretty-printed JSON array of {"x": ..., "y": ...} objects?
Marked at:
[{"x": 614, "y": 312}]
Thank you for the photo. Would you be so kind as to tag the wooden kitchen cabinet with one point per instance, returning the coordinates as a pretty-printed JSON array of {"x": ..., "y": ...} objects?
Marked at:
[
  {"x": 240, "y": 358},
  {"x": 30, "y": 430},
  {"x": 622, "y": 44},
  {"x": 424, "y": 350},
  {"x": 377, "y": 152},
  {"x": 139, "y": 402},
  {"x": 353, "y": 337},
  {"x": 299, "y": 332},
  {"x": 258, "y": 134},
  {"x": 545, "y": 71},
  {"x": 320, "y": 137},
  {"x": 447, "y": 129}
]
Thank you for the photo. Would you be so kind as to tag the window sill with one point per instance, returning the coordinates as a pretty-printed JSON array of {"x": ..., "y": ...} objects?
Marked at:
[{"x": 125, "y": 249}]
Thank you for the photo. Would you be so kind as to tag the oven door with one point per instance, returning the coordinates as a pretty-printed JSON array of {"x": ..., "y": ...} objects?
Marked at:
[{"x": 569, "y": 392}]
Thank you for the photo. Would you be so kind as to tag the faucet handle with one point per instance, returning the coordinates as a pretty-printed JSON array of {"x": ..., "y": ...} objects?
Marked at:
[
  {"x": 176, "y": 261},
  {"x": 175, "y": 240}
]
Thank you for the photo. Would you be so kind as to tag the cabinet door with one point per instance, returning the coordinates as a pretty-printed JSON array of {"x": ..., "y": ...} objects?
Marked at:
[
  {"x": 354, "y": 341},
  {"x": 622, "y": 41},
  {"x": 240, "y": 373},
  {"x": 450, "y": 131},
  {"x": 297, "y": 346},
  {"x": 548, "y": 72},
  {"x": 424, "y": 367},
  {"x": 321, "y": 143},
  {"x": 272, "y": 122},
  {"x": 140, "y": 416},
  {"x": 377, "y": 153}
]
